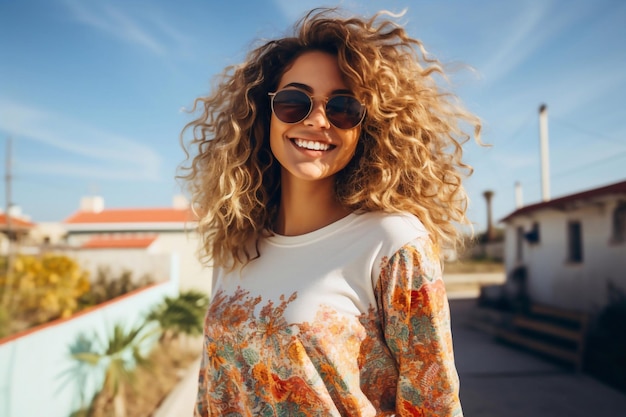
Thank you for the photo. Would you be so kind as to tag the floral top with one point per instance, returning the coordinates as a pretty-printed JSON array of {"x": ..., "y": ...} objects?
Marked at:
[{"x": 349, "y": 320}]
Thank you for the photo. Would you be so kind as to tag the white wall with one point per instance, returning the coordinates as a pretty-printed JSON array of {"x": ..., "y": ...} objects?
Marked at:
[
  {"x": 139, "y": 261},
  {"x": 184, "y": 244},
  {"x": 551, "y": 278},
  {"x": 53, "y": 231},
  {"x": 192, "y": 274}
]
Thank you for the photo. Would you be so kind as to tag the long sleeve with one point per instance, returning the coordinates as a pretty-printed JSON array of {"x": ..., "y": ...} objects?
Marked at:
[
  {"x": 201, "y": 407},
  {"x": 416, "y": 325}
]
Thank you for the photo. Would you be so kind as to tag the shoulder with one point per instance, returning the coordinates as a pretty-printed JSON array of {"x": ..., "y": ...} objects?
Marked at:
[
  {"x": 398, "y": 228},
  {"x": 398, "y": 236},
  {"x": 393, "y": 231}
]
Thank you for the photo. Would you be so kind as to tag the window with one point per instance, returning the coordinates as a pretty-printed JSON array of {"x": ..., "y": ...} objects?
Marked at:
[
  {"x": 533, "y": 235},
  {"x": 619, "y": 223},
  {"x": 574, "y": 242}
]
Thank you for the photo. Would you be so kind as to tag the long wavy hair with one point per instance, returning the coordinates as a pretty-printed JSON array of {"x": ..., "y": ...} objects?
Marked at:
[{"x": 409, "y": 154}]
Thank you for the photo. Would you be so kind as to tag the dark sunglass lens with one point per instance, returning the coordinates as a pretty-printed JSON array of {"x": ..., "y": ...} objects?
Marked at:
[
  {"x": 291, "y": 106},
  {"x": 345, "y": 112}
]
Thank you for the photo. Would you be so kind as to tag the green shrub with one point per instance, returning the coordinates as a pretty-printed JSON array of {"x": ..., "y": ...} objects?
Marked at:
[{"x": 181, "y": 315}]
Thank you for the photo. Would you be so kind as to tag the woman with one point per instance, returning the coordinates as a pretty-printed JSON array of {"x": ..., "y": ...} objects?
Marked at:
[{"x": 326, "y": 174}]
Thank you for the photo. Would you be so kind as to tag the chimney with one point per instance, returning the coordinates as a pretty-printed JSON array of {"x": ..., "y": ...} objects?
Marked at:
[
  {"x": 94, "y": 204},
  {"x": 180, "y": 202},
  {"x": 545, "y": 158}
]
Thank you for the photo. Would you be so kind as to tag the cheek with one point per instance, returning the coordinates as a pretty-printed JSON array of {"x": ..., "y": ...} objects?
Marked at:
[
  {"x": 276, "y": 135},
  {"x": 352, "y": 139}
]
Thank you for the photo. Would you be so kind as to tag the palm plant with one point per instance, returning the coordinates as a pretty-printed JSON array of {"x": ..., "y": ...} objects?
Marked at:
[
  {"x": 181, "y": 315},
  {"x": 117, "y": 359}
]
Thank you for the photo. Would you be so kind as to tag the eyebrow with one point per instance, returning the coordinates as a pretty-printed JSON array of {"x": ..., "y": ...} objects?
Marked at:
[{"x": 308, "y": 89}]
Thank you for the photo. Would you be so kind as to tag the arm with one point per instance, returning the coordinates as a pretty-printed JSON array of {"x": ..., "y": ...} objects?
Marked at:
[{"x": 416, "y": 323}]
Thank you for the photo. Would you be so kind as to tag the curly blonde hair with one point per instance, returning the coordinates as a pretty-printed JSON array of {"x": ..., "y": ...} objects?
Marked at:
[{"x": 409, "y": 155}]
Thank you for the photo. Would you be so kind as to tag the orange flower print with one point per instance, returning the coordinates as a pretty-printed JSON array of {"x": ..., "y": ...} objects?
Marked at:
[
  {"x": 262, "y": 375},
  {"x": 296, "y": 353},
  {"x": 215, "y": 359}
]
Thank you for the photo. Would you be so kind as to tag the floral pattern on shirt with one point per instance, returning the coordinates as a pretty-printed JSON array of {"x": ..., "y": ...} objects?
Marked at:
[
  {"x": 395, "y": 359},
  {"x": 416, "y": 326}
]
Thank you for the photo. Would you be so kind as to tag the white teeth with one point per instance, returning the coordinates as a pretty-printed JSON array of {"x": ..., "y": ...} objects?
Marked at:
[{"x": 311, "y": 145}]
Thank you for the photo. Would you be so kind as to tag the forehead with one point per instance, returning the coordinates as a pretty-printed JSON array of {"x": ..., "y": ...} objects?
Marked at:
[{"x": 318, "y": 70}]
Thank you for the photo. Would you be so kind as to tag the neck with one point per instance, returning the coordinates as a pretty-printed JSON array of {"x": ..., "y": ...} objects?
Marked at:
[{"x": 306, "y": 206}]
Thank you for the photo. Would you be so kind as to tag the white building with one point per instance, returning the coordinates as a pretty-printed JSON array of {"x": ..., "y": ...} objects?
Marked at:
[
  {"x": 570, "y": 249},
  {"x": 137, "y": 239}
]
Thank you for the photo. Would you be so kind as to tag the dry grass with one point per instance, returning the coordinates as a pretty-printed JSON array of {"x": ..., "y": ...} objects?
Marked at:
[{"x": 169, "y": 363}]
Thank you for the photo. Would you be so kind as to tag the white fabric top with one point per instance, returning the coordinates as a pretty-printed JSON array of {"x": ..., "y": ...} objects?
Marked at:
[
  {"x": 337, "y": 265},
  {"x": 349, "y": 320}
]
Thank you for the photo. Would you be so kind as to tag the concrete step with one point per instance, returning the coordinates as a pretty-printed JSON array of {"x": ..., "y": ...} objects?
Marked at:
[
  {"x": 547, "y": 328},
  {"x": 575, "y": 317},
  {"x": 562, "y": 354},
  {"x": 553, "y": 332}
]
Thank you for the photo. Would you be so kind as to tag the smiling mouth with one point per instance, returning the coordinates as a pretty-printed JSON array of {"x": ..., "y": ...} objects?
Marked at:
[{"x": 312, "y": 145}]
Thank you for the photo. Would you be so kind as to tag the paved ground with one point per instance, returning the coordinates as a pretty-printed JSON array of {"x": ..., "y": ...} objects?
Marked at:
[{"x": 496, "y": 381}]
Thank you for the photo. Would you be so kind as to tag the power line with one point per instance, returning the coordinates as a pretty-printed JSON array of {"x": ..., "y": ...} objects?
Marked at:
[
  {"x": 522, "y": 127},
  {"x": 587, "y": 132},
  {"x": 591, "y": 164}
]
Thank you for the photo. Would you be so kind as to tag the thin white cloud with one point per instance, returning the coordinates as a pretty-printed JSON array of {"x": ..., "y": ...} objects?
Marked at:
[
  {"x": 513, "y": 161},
  {"x": 83, "y": 171},
  {"x": 294, "y": 10},
  {"x": 573, "y": 92},
  {"x": 143, "y": 29},
  {"x": 566, "y": 94},
  {"x": 535, "y": 25},
  {"x": 120, "y": 156},
  {"x": 517, "y": 45}
]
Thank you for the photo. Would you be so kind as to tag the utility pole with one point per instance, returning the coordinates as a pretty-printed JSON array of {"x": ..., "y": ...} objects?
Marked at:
[
  {"x": 6, "y": 293},
  {"x": 7, "y": 189}
]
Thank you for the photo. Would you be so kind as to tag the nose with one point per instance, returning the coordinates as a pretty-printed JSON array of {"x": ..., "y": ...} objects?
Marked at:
[{"x": 317, "y": 117}]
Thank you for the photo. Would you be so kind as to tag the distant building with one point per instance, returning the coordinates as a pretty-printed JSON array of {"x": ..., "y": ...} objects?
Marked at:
[
  {"x": 137, "y": 239},
  {"x": 14, "y": 228},
  {"x": 570, "y": 249}
]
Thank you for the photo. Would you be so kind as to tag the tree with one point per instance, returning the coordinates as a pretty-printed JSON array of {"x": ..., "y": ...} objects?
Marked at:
[{"x": 117, "y": 359}]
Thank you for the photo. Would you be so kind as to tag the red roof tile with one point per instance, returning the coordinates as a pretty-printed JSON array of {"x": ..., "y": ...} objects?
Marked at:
[
  {"x": 617, "y": 188},
  {"x": 100, "y": 242},
  {"x": 15, "y": 222},
  {"x": 166, "y": 215}
]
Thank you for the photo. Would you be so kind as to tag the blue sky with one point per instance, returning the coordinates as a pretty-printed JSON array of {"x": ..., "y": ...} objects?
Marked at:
[{"x": 91, "y": 92}]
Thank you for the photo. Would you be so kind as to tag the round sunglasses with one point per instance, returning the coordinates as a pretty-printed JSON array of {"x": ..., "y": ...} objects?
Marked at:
[{"x": 293, "y": 106}]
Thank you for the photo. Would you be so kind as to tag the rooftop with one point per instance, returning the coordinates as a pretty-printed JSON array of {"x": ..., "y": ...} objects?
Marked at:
[
  {"x": 16, "y": 222},
  {"x": 105, "y": 242},
  {"x": 150, "y": 215},
  {"x": 562, "y": 202}
]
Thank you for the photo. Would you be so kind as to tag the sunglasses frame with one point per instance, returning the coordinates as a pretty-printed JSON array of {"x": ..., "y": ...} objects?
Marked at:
[{"x": 312, "y": 103}]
